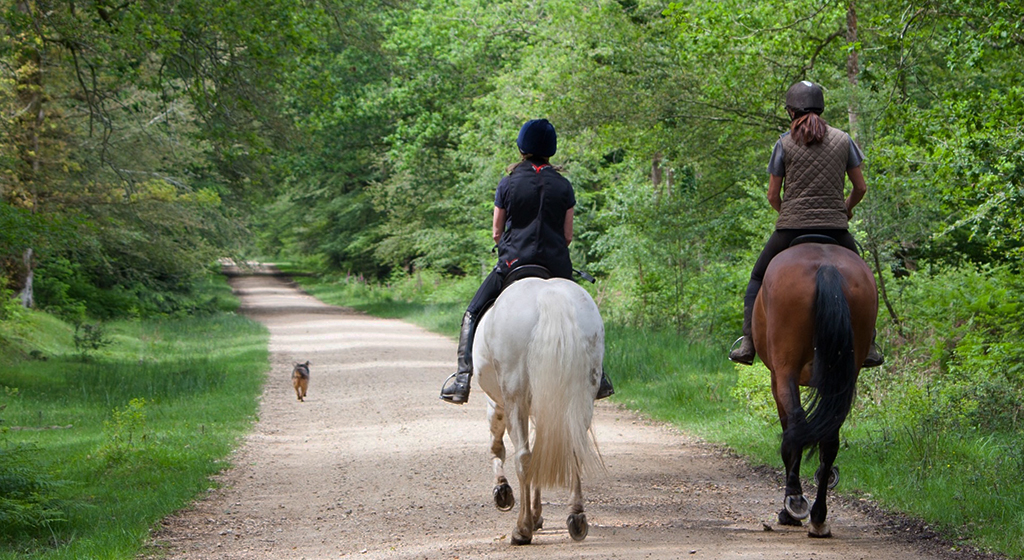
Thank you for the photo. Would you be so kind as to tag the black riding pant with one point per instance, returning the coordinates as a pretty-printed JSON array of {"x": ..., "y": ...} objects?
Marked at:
[
  {"x": 779, "y": 241},
  {"x": 486, "y": 293}
]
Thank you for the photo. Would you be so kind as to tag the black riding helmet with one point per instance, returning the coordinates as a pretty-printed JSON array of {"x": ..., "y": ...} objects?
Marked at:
[
  {"x": 805, "y": 97},
  {"x": 537, "y": 137}
]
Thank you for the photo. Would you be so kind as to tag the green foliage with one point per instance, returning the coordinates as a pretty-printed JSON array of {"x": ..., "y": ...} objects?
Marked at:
[
  {"x": 125, "y": 431},
  {"x": 754, "y": 391},
  {"x": 129, "y": 437},
  {"x": 130, "y": 147},
  {"x": 61, "y": 288},
  {"x": 90, "y": 337},
  {"x": 963, "y": 363},
  {"x": 9, "y": 307},
  {"x": 27, "y": 505}
]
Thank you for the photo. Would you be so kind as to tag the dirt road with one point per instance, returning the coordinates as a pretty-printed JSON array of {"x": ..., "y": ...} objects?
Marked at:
[{"x": 373, "y": 465}]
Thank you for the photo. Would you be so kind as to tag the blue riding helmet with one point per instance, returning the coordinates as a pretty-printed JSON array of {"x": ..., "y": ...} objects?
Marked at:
[{"x": 538, "y": 137}]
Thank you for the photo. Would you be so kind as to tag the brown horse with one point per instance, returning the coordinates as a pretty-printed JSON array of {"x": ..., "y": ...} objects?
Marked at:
[{"x": 813, "y": 322}]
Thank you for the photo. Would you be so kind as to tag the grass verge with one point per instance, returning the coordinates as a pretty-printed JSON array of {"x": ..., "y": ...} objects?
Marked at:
[{"x": 120, "y": 433}]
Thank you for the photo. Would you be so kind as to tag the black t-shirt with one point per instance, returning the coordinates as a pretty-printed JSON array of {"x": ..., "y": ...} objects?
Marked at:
[{"x": 535, "y": 198}]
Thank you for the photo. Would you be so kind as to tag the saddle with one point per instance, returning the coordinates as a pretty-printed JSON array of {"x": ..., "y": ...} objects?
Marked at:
[
  {"x": 813, "y": 238},
  {"x": 525, "y": 271},
  {"x": 518, "y": 273}
]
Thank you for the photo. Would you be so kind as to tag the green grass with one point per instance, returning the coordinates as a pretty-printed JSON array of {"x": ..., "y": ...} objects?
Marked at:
[
  {"x": 961, "y": 482},
  {"x": 687, "y": 384},
  {"x": 126, "y": 434},
  {"x": 431, "y": 303}
]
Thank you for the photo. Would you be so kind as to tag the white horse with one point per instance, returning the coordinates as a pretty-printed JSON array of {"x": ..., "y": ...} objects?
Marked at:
[{"x": 538, "y": 354}]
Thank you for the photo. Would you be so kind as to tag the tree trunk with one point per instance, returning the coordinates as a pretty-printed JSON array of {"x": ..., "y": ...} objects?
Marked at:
[
  {"x": 30, "y": 95},
  {"x": 852, "y": 64},
  {"x": 27, "y": 297},
  {"x": 885, "y": 294}
]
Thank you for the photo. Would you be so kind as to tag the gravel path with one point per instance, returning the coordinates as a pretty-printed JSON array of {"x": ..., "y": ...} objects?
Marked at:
[{"x": 373, "y": 465}]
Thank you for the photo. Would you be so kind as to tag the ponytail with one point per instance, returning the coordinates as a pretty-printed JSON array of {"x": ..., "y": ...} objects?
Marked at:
[
  {"x": 528, "y": 157},
  {"x": 808, "y": 129}
]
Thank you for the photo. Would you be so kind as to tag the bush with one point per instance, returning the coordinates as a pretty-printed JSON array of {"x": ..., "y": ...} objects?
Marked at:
[
  {"x": 64, "y": 288},
  {"x": 753, "y": 391},
  {"x": 9, "y": 305},
  {"x": 125, "y": 430},
  {"x": 26, "y": 502},
  {"x": 963, "y": 355},
  {"x": 89, "y": 338}
]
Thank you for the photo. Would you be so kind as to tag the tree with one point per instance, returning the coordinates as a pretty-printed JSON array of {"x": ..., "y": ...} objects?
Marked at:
[{"x": 154, "y": 120}]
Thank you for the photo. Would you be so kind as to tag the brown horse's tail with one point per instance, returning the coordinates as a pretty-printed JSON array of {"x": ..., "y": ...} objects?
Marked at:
[{"x": 834, "y": 373}]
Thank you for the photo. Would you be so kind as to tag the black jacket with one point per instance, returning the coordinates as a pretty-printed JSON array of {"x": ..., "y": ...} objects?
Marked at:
[{"x": 535, "y": 198}]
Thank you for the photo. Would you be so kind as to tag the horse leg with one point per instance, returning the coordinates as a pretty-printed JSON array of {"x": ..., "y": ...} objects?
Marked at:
[
  {"x": 827, "y": 451},
  {"x": 538, "y": 519},
  {"x": 795, "y": 507},
  {"x": 577, "y": 521},
  {"x": 518, "y": 431},
  {"x": 791, "y": 416},
  {"x": 504, "y": 499}
]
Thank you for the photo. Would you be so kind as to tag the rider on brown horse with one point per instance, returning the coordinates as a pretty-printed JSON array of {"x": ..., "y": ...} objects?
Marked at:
[{"x": 812, "y": 160}]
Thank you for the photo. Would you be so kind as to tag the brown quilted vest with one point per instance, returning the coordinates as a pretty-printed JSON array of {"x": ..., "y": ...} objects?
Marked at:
[{"x": 813, "y": 191}]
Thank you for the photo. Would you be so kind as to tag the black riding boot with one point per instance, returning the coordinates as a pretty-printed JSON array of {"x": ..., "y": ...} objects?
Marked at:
[
  {"x": 456, "y": 387},
  {"x": 745, "y": 353},
  {"x": 875, "y": 357},
  {"x": 605, "y": 389}
]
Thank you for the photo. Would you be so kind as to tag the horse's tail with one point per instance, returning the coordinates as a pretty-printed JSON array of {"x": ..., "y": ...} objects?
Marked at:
[
  {"x": 561, "y": 362},
  {"x": 834, "y": 372}
]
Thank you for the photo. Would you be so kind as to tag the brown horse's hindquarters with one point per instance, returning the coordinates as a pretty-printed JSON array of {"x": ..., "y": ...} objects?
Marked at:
[{"x": 789, "y": 286}]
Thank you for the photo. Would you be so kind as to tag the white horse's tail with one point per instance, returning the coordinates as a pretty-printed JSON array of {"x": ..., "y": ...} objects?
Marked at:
[{"x": 561, "y": 365}]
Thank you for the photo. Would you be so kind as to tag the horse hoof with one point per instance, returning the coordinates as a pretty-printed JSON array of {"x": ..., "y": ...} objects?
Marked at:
[
  {"x": 786, "y": 519},
  {"x": 819, "y": 531},
  {"x": 504, "y": 499},
  {"x": 578, "y": 527},
  {"x": 538, "y": 524},
  {"x": 519, "y": 540},
  {"x": 797, "y": 506},
  {"x": 833, "y": 478}
]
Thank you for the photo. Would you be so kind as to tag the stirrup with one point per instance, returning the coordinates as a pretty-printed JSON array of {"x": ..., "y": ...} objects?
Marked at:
[
  {"x": 874, "y": 358},
  {"x": 734, "y": 356},
  {"x": 456, "y": 392},
  {"x": 605, "y": 389}
]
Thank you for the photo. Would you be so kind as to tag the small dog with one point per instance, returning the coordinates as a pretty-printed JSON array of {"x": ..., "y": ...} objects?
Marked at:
[{"x": 300, "y": 380}]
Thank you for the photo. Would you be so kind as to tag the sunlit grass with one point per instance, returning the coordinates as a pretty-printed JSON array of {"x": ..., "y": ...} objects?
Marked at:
[
  {"x": 194, "y": 385},
  {"x": 432, "y": 305}
]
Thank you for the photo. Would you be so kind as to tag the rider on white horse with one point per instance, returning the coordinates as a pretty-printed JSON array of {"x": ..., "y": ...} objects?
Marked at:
[{"x": 533, "y": 211}]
